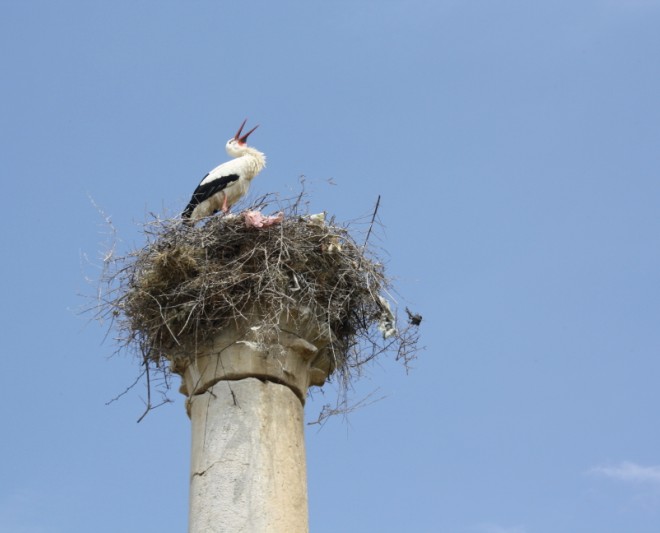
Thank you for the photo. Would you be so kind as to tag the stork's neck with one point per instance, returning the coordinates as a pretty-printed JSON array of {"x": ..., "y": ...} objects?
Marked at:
[{"x": 253, "y": 160}]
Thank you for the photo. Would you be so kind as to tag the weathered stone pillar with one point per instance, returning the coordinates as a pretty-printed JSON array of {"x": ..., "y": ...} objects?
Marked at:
[{"x": 245, "y": 402}]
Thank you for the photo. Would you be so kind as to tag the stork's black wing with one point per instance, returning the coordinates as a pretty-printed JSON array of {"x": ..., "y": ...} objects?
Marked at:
[{"x": 206, "y": 190}]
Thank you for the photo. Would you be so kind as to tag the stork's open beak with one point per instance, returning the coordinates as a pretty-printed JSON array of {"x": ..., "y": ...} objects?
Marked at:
[{"x": 243, "y": 139}]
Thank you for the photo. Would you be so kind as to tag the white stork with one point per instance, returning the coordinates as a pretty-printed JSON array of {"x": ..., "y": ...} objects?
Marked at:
[{"x": 227, "y": 183}]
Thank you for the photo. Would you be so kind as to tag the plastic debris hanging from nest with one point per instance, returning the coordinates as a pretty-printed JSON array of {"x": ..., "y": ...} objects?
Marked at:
[
  {"x": 188, "y": 282},
  {"x": 386, "y": 322}
]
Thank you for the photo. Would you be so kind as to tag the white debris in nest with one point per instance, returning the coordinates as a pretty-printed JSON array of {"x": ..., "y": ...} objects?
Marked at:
[
  {"x": 331, "y": 246},
  {"x": 318, "y": 219},
  {"x": 252, "y": 345}
]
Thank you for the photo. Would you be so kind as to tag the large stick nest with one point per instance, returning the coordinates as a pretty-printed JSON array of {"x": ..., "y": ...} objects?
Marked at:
[{"x": 189, "y": 282}]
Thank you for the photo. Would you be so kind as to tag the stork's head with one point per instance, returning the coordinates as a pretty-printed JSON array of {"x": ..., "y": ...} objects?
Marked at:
[{"x": 237, "y": 145}]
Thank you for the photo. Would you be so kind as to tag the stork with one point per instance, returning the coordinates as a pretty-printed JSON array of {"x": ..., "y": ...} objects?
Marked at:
[{"x": 227, "y": 183}]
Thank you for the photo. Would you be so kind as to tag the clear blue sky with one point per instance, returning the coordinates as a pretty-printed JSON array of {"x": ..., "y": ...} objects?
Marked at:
[{"x": 516, "y": 146}]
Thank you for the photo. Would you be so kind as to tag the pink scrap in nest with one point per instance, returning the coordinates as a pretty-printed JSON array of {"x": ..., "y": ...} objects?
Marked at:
[{"x": 254, "y": 219}]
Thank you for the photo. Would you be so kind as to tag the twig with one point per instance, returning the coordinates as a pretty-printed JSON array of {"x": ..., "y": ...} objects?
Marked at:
[
  {"x": 127, "y": 389},
  {"x": 371, "y": 224}
]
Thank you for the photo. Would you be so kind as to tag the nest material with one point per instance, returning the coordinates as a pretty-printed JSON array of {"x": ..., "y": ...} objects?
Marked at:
[{"x": 189, "y": 282}]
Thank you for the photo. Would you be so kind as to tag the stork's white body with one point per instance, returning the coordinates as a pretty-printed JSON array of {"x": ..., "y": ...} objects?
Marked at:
[{"x": 227, "y": 183}]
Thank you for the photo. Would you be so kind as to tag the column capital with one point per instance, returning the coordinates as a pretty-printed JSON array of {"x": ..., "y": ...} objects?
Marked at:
[{"x": 290, "y": 354}]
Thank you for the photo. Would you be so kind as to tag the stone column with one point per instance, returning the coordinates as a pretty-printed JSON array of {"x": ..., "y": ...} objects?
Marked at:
[{"x": 245, "y": 402}]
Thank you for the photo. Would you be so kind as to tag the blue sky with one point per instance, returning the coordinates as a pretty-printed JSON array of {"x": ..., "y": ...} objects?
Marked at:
[{"x": 516, "y": 149}]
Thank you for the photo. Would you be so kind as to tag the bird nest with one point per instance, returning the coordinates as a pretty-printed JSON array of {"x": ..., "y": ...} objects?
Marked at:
[{"x": 189, "y": 282}]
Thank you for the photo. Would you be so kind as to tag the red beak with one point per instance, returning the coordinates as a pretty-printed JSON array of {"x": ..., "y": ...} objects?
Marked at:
[{"x": 243, "y": 139}]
